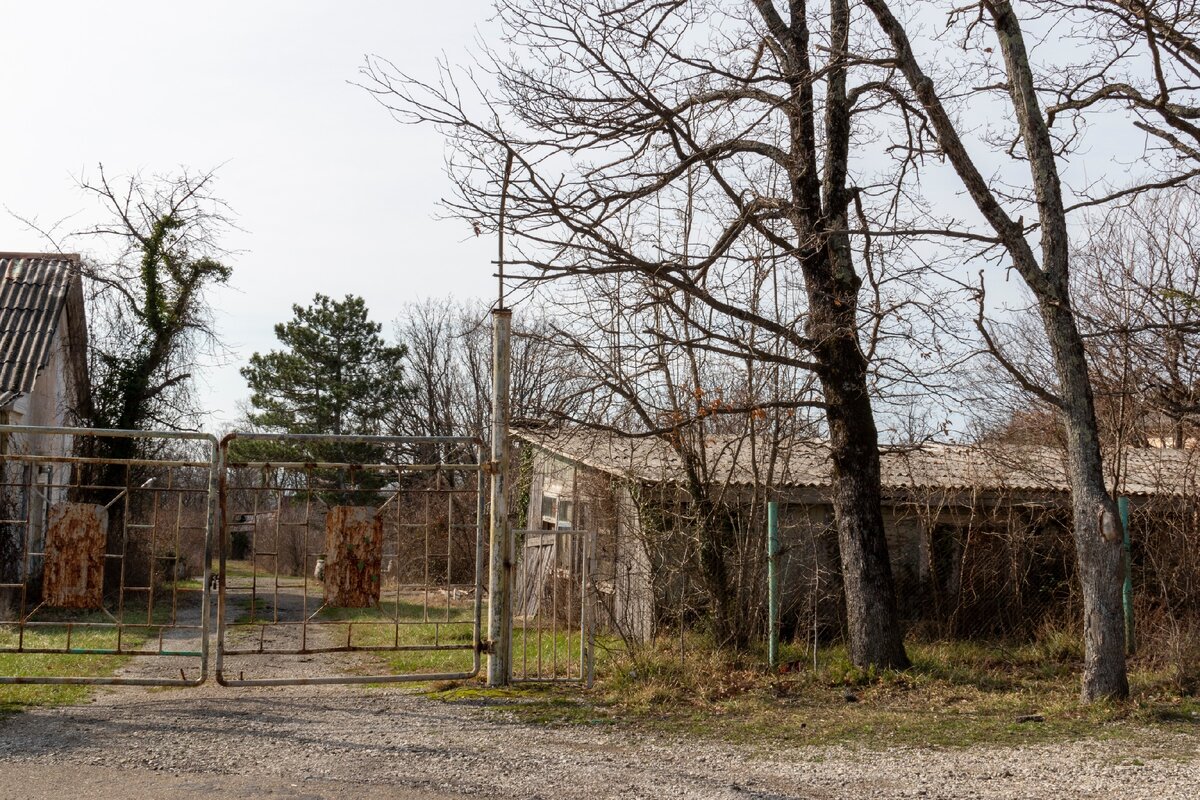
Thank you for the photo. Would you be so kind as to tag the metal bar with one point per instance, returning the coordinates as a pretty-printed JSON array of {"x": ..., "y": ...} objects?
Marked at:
[
  {"x": 1127, "y": 586},
  {"x": 347, "y": 648},
  {"x": 479, "y": 554},
  {"x": 322, "y": 438},
  {"x": 772, "y": 584},
  {"x": 301, "y": 465},
  {"x": 112, "y": 433},
  {"x": 338, "y": 680}
]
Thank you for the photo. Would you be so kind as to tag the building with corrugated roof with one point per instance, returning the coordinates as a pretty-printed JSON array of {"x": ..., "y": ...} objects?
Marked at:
[
  {"x": 43, "y": 340},
  {"x": 43, "y": 382},
  {"x": 978, "y": 534}
]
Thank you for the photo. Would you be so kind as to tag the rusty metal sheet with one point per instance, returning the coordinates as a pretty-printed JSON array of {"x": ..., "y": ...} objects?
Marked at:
[
  {"x": 74, "y": 571},
  {"x": 354, "y": 556}
]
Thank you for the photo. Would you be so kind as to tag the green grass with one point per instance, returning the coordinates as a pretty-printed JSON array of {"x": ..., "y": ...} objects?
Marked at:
[
  {"x": 544, "y": 654},
  {"x": 13, "y": 698},
  {"x": 956, "y": 694},
  {"x": 375, "y": 628}
]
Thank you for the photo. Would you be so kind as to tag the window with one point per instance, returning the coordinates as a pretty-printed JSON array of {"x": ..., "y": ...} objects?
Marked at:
[{"x": 556, "y": 513}]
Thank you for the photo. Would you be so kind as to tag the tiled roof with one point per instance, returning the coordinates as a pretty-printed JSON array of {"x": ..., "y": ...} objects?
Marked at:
[
  {"x": 805, "y": 463},
  {"x": 33, "y": 290}
]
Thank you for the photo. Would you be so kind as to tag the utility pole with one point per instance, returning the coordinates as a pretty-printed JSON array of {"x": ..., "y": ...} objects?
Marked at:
[{"x": 502, "y": 555}]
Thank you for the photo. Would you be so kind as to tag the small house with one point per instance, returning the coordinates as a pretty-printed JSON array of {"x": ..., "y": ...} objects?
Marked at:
[
  {"x": 43, "y": 382},
  {"x": 978, "y": 535}
]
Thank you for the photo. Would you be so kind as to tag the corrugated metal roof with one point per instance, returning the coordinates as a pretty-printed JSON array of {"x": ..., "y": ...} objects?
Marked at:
[
  {"x": 32, "y": 293},
  {"x": 805, "y": 463}
]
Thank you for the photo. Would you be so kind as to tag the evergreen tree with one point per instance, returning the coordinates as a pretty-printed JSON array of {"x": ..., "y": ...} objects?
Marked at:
[{"x": 334, "y": 374}]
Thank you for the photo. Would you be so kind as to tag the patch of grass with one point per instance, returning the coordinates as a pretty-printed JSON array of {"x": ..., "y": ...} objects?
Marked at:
[
  {"x": 955, "y": 694},
  {"x": 15, "y": 698},
  {"x": 545, "y": 653},
  {"x": 61, "y": 636}
]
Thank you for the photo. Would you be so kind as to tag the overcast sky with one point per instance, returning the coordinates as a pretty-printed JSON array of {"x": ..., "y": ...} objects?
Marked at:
[{"x": 333, "y": 195}]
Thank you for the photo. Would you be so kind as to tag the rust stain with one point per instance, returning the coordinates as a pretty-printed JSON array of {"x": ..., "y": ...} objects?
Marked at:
[
  {"x": 353, "y": 556},
  {"x": 74, "y": 566}
]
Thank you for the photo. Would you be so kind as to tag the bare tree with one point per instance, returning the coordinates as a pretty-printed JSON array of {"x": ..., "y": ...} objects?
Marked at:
[
  {"x": 616, "y": 111},
  {"x": 1138, "y": 284},
  {"x": 448, "y": 365},
  {"x": 1144, "y": 61},
  {"x": 1040, "y": 253},
  {"x": 637, "y": 373}
]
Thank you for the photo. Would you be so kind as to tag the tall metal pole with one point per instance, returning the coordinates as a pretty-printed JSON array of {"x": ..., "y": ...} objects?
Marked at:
[
  {"x": 1127, "y": 588},
  {"x": 502, "y": 561},
  {"x": 773, "y": 584}
]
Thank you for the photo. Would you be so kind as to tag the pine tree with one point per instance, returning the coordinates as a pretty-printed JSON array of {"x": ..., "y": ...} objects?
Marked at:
[{"x": 334, "y": 374}]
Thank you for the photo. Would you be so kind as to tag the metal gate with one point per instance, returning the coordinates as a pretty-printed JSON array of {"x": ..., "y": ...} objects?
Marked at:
[
  {"x": 104, "y": 555},
  {"x": 554, "y": 605},
  {"x": 349, "y": 545}
]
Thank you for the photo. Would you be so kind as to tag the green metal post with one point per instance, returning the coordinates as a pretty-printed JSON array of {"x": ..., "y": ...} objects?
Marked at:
[
  {"x": 773, "y": 584},
  {"x": 1127, "y": 589}
]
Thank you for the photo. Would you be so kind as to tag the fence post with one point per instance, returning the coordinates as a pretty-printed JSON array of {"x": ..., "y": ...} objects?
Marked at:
[
  {"x": 1127, "y": 588},
  {"x": 773, "y": 584},
  {"x": 502, "y": 558}
]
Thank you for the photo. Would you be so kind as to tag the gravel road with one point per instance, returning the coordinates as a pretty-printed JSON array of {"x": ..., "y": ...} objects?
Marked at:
[
  {"x": 350, "y": 742},
  {"x": 338, "y": 742}
]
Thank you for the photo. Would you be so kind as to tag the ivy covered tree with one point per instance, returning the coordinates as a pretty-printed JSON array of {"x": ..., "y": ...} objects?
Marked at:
[
  {"x": 333, "y": 374},
  {"x": 150, "y": 310}
]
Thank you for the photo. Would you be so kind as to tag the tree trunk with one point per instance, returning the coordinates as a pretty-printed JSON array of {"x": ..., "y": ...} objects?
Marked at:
[
  {"x": 875, "y": 635},
  {"x": 1096, "y": 524}
]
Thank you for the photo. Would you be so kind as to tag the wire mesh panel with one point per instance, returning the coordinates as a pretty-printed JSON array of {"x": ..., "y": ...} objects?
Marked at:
[
  {"x": 349, "y": 559},
  {"x": 105, "y": 544},
  {"x": 554, "y": 606}
]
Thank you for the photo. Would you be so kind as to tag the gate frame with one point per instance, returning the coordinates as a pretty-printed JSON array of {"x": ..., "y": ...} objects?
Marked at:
[
  {"x": 478, "y": 645},
  {"x": 587, "y": 591},
  {"x": 206, "y": 592}
]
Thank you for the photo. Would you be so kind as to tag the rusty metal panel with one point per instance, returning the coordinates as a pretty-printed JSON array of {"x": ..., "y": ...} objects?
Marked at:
[
  {"x": 74, "y": 573},
  {"x": 353, "y": 556}
]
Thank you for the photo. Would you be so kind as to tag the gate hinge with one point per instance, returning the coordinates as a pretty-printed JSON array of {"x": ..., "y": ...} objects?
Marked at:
[
  {"x": 486, "y": 646},
  {"x": 490, "y": 467}
]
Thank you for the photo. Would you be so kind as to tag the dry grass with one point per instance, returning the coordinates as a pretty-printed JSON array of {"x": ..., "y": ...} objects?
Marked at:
[{"x": 956, "y": 694}]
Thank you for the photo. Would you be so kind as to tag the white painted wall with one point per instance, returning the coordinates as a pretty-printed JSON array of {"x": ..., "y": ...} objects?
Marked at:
[{"x": 48, "y": 405}]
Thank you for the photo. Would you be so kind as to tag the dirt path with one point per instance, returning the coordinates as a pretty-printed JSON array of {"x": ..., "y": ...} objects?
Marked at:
[{"x": 290, "y": 604}]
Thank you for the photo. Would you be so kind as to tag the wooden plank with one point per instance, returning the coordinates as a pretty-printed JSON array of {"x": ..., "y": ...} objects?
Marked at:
[
  {"x": 74, "y": 565},
  {"x": 353, "y": 556}
]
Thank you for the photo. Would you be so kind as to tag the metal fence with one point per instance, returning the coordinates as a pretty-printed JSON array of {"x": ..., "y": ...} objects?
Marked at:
[
  {"x": 102, "y": 554},
  {"x": 365, "y": 545},
  {"x": 554, "y": 607}
]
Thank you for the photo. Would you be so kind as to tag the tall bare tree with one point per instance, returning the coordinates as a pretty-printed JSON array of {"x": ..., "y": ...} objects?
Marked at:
[
  {"x": 1039, "y": 250},
  {"x": 614, "y": 111},
  {"x": 1138, "y": 288}
]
